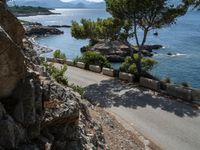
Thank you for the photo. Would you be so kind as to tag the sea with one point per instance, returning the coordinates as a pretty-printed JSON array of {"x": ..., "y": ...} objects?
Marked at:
[{"x": 182, "y": 40}]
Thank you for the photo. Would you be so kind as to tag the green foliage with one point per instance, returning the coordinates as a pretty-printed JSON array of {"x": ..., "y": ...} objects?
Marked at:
[
  {"x": 57, "y": 74},
  {"x": 193, "y": 3},
  {"x": 94, "y": 58},
  {"x": 100, "y": 29},
  {"x": 59, "y": 54},
  {"x": 77, "y": 88},
  {"x": 28, "y": 9},
  {"x": 144, "y": 15},
  {"x": 167, "y": 80},
  {"x": 147, "y": 14},
  {"x": 129, "y": 65},
  {"x": 185, "y": 84}
]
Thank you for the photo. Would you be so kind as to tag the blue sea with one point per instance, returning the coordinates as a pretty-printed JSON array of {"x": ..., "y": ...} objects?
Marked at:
[{"x": 181, "y": 39}]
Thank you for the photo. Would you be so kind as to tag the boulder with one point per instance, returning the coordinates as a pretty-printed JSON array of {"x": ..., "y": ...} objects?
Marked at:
[
  {"x": 151, "y": 47},
  {"x": 11, "y": 25},
  {"x": 7, "y": 132},
  {"x": 11, "y": 134},
  {"x": 115, "y": 51},
  {"x": 12, "y": 68},
  {"x": 62, "y": 108}
]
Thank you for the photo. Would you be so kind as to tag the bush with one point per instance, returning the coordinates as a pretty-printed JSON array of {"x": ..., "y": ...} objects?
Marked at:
[
  {"x": 185, "y": 84},
  {"x": 77, "y": 88},
  {"x": 59, "y": 54},
  {"x": 94, "y": 58},
  {"x": 130, "y": 67},
  {"x": 57, "y": 74},
  {"x": 167, "y": 80}
]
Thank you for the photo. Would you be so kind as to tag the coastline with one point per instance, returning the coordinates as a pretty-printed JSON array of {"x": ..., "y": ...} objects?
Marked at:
[
  {"x": 36, "y": 14},
  {"x": 39, "y": 49}
]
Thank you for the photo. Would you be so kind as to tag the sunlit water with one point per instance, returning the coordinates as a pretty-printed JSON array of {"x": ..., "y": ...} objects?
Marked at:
[{"x": 182, "y": 39}]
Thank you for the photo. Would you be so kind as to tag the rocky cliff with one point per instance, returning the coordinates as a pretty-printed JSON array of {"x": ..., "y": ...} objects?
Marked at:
[{"x": 36, "y": 113}]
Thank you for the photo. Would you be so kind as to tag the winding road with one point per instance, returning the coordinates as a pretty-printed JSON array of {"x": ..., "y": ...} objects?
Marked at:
[{"x": 170, "y": 124}]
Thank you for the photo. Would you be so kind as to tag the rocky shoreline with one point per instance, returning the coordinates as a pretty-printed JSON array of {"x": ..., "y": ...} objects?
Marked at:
[
  {"x": 116, "y": 51},
  {"x": 36, "y": 14},
  {"x": 35, "y": 30}
]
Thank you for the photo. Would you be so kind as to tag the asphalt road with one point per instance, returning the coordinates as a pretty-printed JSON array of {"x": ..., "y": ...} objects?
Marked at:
[
  {"x": 170, "y": 124},
  {"x": 83, "y": 78}
]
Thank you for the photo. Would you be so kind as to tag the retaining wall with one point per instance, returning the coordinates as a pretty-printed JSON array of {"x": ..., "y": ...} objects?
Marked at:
[
  {"x": 80, "y": 65},
  {"x": 126, "y": 77},
  {"x": 94, "y": 68},
  {"x": 179, "y": 92},
  {"x": 149, "y": 83},
  {"x": 108, "y": 72},
  {"x": 70, "y": 62}
]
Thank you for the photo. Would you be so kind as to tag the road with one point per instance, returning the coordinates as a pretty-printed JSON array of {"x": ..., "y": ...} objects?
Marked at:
[
  {"x": 84, "y": 78},
  {"x": 170, "y": 124}
]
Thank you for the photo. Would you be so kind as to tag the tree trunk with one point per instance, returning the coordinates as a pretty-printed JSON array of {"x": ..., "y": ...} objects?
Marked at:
[{"x": 140, "y": 52}]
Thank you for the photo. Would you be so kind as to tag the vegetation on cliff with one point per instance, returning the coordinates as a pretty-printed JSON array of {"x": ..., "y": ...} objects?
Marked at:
[{"x": 29, "y": 10}]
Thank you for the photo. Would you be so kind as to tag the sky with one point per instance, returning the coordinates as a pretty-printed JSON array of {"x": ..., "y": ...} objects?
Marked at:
[{"x": 87, "y": 0}]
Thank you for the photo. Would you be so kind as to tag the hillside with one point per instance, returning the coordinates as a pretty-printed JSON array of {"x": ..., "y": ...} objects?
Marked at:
[
  {"x": 29, "y": 11},
  {"x": 57, "y": 4}
]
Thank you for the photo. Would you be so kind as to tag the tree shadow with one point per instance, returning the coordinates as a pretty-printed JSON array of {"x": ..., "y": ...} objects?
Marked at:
[{"x": 116, "y": 93}]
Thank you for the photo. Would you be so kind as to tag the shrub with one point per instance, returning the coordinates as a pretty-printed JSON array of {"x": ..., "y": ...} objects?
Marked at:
[
  {"x": 57, "y": 74},
  {"x": 77, "y": 88},
  {"x": 59, "y": 54},
  {"x": 94, "y": 58},
  {"x": 167, "y": 80},
  {"x": 185, "y": 84},
  {"x": 130, "y": 67}
]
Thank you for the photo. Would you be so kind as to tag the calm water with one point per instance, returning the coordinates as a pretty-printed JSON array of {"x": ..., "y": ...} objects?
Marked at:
[{"x": 182, "y": 39}]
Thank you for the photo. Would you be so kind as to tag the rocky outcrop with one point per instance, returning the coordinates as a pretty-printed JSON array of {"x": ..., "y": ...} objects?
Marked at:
[
  {"x": 11, "y": 25},
  {"x": 42, "y": 30},
  {"x": 11, "y": 57},
  {"x": 36, "y": 113},
  {"x": 117, "y": 51}
]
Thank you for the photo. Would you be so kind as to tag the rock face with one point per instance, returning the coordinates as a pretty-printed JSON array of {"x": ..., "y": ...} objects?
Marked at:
[
  {"x": 9, "y": 23},
  {"x": 11, "y": 57},
  {"x": 42, "y": 30},
  {"x": 117, "y": 51},
  {"x": 36, "y": 113}
]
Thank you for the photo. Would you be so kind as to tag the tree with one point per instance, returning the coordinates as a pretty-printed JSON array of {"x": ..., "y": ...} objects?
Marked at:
[
  {"x": 144, "y": 15},
  {"x": 59, "y": 54},
  {"x": 193, "y": 3},
  {"x": 107, "y": 29}
]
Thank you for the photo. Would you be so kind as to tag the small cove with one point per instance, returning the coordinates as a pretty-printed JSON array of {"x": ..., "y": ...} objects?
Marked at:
[{"x": 182, "y": 39}]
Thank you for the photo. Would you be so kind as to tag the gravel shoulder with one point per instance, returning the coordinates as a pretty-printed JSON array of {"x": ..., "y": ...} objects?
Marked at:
[{"x": 116, "y": 136}]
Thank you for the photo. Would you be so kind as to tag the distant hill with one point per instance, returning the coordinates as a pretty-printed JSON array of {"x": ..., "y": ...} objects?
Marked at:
[{"x": 57, "y": 4}]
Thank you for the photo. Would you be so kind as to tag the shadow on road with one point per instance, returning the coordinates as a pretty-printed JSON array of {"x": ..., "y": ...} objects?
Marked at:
[{"x": 116, "y": 93}]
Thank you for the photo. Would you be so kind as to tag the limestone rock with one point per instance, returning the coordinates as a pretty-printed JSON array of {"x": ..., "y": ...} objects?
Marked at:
[
  {"x": 12, "y": 65},
  {"x": 11, "y": 25}
]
